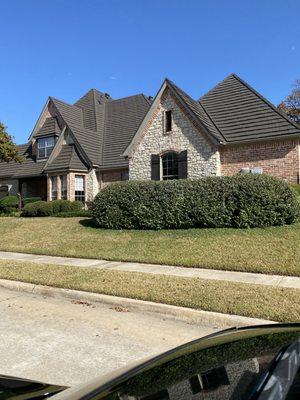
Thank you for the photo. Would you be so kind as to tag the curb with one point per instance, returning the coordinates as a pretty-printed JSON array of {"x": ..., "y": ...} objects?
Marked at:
[{"x": 182, "y": 313}]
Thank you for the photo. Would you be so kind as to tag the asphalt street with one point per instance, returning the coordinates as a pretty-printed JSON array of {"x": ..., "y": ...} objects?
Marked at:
[{"x": 67, "y": 342}]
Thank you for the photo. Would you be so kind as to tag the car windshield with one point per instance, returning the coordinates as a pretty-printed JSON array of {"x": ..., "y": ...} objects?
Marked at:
[{"x": 230, "y": 371}]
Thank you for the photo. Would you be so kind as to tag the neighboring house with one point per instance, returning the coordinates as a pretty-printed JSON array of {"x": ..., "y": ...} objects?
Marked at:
[{"x": 75, "y": 150}]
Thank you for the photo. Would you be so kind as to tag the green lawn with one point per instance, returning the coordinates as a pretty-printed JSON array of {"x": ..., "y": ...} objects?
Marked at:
[
  {"x": 270, "y": 250},
  {"x": 234, "y": 298}
]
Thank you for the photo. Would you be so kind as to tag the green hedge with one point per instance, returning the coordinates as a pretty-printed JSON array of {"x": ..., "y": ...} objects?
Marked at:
[
  {"x": 70, "y": 214},
  {"x": 46, "y": 209},
  {"x": 9, "y": 204},
  {"x": 66, "y": 206},
  {"x": 28, "y": 200},
  {"x": 239, "y": 201}
]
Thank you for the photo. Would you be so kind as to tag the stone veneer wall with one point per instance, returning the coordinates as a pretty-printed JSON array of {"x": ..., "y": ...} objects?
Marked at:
[
  {"x": 278, "y": 158},
  {"x": 92, "y": 185},
  {"x": 202, "y": 156}
]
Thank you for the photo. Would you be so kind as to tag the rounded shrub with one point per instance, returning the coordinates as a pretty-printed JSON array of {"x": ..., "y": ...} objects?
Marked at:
[
  {"x": 238, "y": 201},
  {"x": 38, "y": 209},
  {"x": 28, "y": 200},
  {"x": 64, "y": 206},
  {"x": 9, "y": 204}
]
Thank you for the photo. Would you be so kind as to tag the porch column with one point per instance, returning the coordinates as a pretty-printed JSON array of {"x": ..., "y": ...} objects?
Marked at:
[
  {"x": 58, "y": 187},
  {"x": 49, "y": 188}
]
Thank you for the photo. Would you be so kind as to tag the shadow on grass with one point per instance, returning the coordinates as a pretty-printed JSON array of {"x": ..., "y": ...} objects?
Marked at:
[{"x": 88, "y": 223}]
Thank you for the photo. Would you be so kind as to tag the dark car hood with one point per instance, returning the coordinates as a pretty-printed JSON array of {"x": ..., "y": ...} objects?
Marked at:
[{"x": 23, "y": 389}]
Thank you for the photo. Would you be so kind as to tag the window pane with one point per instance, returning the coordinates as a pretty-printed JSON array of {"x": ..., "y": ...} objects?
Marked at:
[
  {"x": 170, "y": 166},
  {"x": 41, "y": 143},
  {"x": 79, "y": 182},
  {"x": 48, "y": 151},
  {"x": 79, "y": 188},
  {"x": 49, "y": 141},
  {"x": 42, "y": 153}
]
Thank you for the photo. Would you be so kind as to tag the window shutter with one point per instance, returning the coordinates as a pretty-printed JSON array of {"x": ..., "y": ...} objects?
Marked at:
[
  {"x": 182, "y": 165},
  {"x": 155, "y": 167}
]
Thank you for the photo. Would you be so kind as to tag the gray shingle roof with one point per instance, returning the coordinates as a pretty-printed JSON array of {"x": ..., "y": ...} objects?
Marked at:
[
  {"x": 198, "y": 112},
  {"x": 28, "y": 168},
  {"x": 122, "y": 119},
  {"x": 67, "y": 159},
  {"x": 50, "y": 127},
  {"x": 241, "y": 114},
  {"x": 70, "y": 114},
  {"x": 232, "y": 112}
]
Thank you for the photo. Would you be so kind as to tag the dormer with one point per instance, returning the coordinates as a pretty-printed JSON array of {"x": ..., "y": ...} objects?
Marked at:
[{"x": 45, "y": 138}]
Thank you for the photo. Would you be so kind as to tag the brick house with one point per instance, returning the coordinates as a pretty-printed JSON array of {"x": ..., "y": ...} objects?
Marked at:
[{"x": 76, "y": 150}]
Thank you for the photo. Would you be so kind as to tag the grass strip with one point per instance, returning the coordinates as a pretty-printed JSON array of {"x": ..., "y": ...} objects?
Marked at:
[
  {"x": 273, "y": 250},
  {"x": 278, "y": 304}
]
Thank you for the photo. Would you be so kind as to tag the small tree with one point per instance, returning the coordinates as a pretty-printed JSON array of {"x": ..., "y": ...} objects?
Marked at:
[
  {"x": 8, "y": 149},
  {"x": 291, "y": 104}
]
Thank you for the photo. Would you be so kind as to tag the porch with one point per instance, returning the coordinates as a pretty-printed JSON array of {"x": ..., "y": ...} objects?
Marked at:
[{"x": 33, "y": 187}]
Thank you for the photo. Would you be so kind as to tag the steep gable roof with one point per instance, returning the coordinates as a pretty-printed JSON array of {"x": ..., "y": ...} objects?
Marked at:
[
  {"x": 70, "y": 113},
  {"x": 67, "y": 159},
  {"x": 50, "y": 127},
  {"x": 122, "y": 119},
  {"x": 192, "y": 107},
  {"x": 241, "y": 114},
  {"x": 198, "y": 112}
]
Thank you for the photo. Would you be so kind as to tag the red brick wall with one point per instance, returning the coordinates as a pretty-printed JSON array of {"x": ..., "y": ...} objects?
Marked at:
[
  {"x": 111, "y": 176},
  {"x": 278, "y": 158}
]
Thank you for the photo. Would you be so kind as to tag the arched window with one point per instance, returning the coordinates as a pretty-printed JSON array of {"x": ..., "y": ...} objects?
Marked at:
[{"x": 170, "y": 166}]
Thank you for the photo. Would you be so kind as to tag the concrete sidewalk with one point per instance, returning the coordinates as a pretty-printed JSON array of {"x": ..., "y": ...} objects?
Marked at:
[{"x": 231, "y": 276}]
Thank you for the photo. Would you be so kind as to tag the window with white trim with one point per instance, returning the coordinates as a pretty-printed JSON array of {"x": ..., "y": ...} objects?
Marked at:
[
  {"x": 45, "y": 146},
  {"x": 79, "y": 188},
  {"x": 54, "y": 187},
  {"x": 64, "y": 189}
]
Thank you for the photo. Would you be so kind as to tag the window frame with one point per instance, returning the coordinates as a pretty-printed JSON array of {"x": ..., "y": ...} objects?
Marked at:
[
  {"x": 79, "y": 195},
  {"x": 168, "y": 121},
  {"x": 47, "y": 149},
  {"x": 63, "y": 191},
  {"x": 54, "y": 193},
  {"x": 165, "y": 166}
]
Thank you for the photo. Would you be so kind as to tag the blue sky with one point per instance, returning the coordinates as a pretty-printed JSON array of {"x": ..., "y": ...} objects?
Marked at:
[{"x": 64, "y": 48}]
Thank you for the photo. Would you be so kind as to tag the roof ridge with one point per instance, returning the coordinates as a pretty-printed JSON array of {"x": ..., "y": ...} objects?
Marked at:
[
  {"x": 104, "y": 132},
  {"x": 175, "y": 88},
  {"x": 64, "y": 102},
  {"x": 261, "y": 97},
  {"x": 127, "y": 97},
  {"x": 211, "y": 120},
  {"x": 214, "y": 87},
  {"x": 95, "y": 112}
]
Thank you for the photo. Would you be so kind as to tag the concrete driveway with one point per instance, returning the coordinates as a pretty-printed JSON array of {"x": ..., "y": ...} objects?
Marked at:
[{"x": 65, "y": 342}]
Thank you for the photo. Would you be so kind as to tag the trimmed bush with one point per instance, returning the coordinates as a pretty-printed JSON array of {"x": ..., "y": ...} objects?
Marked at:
[
  {"x": 66, "y": 206},
  {"x": 9, "y": 204},
  {"x": 45, "y": 209},
  {"x": 239, "y": 201},
  {"x": 69, "y": 214},
  {"x": 28, "y": 200},
  {"x": 38, "y": 209}
]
